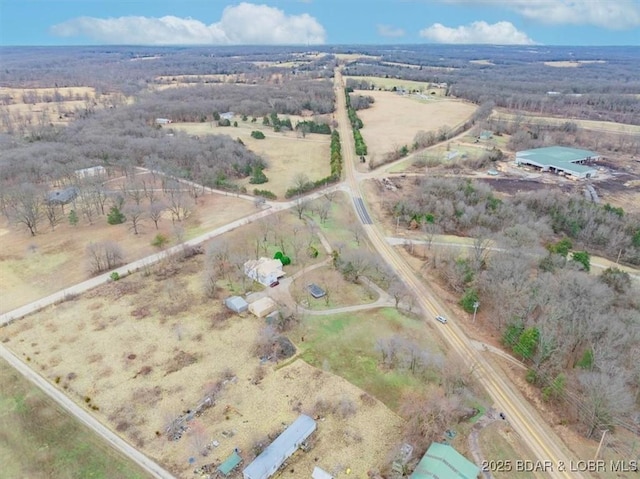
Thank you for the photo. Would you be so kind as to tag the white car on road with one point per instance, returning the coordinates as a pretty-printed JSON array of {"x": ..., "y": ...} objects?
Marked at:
[{"x": 442, "y": 319}]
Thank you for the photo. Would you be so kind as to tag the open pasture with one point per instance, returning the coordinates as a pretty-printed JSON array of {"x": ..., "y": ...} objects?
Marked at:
[
  {"x": 287, "y": 153},
  {"x": 40, "y": 440},
  {"x": 141, "y": 351},
  {"x": 393, "y": 120}
]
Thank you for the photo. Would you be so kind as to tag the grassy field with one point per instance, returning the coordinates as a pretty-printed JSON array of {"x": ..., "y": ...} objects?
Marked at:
[
  {"x": 389, "y": 83},
  {"x": 499, "y": 443},
  {"x": 394, "y": 120},
  {"x": 345, "y": 345},
  {"x": 40, "y": 440},
  {"x": 286, "y": 153},
  {"x": 339, "y": 292}
]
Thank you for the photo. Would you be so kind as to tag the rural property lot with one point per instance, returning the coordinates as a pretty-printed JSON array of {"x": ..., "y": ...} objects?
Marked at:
[
  {"x": 286, "y": 153},
  {"x": 39, "y": 440},
  {"x": 34, "y": 267},
  {"x": 393, "y": 120},
  {"x": 142, "y": 350}
]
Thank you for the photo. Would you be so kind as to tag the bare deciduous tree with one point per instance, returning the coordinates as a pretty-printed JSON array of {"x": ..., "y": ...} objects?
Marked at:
[
  {"x": 135, "y": 217},
  {"x": 104, "y": 256}
]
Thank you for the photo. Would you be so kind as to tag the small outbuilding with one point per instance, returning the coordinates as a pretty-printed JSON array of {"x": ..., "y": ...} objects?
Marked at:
[
  {"x": 229, "y": 464},
  {"x": 236, "y": 304},
  {"x": 316, "y": 291},
  {"x": 267, "y": 463},
  {"x": 262, "y": 307}
]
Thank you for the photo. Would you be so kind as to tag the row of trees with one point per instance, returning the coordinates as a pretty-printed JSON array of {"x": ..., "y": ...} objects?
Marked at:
[{"x": 356, "y": 125}]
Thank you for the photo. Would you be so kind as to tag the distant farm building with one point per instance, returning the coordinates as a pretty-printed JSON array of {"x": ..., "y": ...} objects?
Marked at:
[
  {"x": 267, "y": 463},
  {"x": 91, "y": 172},
  {"x": 62, "y": 197},
  {"x": 162, "y": 121},
  {"x": 316, "y": 291},
  {"x": 263, "y": 307},
  {"x": 226, "y": 116},
  {"x": 236, "y": 304},
  {"x": 559, "y": 159},
  {"x": 264, "y": 270},
  {"x": 442, "y": 460}
]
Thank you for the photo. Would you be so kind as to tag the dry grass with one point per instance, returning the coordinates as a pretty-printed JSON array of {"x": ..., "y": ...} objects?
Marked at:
[
  {"x": 604, "y": 126},
  {"x": 144, "y": 372},
  {"x": 570, "y": 63},
  {"x": 34, "y": 267},
  {"x": 286, "y": 153},
  {"x": 394, "y": 120},
  {"x": 33, "y": 106}
]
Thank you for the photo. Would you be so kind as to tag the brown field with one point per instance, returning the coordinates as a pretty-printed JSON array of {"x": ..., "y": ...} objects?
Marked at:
[
  {"x": 143, "y": 350},
  {"x": 34, "y": 267},
  {"x": 286, "y": 153},
  {"x": 571, "y": 63},
  {"x": 482, "y": 62},
  {"x": 604, "y": 126},
  {"x": 394, "y": 120},
  {"x": 34, "y": 106}
]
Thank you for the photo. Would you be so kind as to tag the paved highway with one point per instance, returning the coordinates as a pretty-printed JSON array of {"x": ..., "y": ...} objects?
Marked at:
[{"x": 525, "y": 420}]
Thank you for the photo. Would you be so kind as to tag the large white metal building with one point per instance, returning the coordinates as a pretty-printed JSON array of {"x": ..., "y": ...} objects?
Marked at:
[{"x": 560, "y": 159}]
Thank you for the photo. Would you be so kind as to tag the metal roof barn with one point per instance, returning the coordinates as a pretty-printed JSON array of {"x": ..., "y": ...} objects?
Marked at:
[
  {"x": 442, "y": 460},
  {"x": 267, "y": 463}
]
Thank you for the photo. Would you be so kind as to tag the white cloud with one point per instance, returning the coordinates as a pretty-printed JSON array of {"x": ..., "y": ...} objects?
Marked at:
[
  {"x": 611, "y": 14},
  {"x": 500, "y": 33},
  {"x": 389, "y": 31},
  {"x": 245, "y": 23}
]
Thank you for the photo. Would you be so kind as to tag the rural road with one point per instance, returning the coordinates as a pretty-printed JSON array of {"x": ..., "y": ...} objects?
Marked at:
[
  {"x": 85, "y": 417},
  {"x": 525, "y": 420}
]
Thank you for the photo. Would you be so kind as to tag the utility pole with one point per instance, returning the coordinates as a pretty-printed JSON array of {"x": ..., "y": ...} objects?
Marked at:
[
  {"x": 476, "y": 305},
  {"x": 604, "y": 433}
]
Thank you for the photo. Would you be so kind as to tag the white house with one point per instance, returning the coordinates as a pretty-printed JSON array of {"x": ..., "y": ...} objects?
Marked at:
[
  {"x": 264, "y": 270},
  {"x": 162, "y": 121}
]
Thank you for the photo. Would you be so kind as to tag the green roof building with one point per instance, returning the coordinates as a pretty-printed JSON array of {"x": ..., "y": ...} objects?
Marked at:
[
  {"x": 442, "y": 461},
  {"x": 559, "y": 159},
  {"x": 229, "y": 464}
]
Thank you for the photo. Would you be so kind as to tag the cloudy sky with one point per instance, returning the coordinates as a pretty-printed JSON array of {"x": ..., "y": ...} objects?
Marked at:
[{"x": 222, "y": 22}]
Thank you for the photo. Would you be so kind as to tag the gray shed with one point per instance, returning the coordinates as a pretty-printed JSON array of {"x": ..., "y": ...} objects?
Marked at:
[
  {"x": 236, "y": 304},
  {"x": 267, "y": 463}
]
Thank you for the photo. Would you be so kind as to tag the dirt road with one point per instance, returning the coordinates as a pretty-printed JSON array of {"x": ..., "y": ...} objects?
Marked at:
[{"x": 525, "y": 420}]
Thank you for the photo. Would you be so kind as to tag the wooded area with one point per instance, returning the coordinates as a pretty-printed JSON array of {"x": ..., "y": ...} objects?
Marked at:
[{"x": 576, "y": 332}]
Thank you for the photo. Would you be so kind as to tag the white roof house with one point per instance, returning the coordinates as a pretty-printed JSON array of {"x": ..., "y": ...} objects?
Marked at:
[
  {"x": 262, "y": 307},
  {"x": 267, "y": 463},
  {"x": 264, "y": 270}
]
